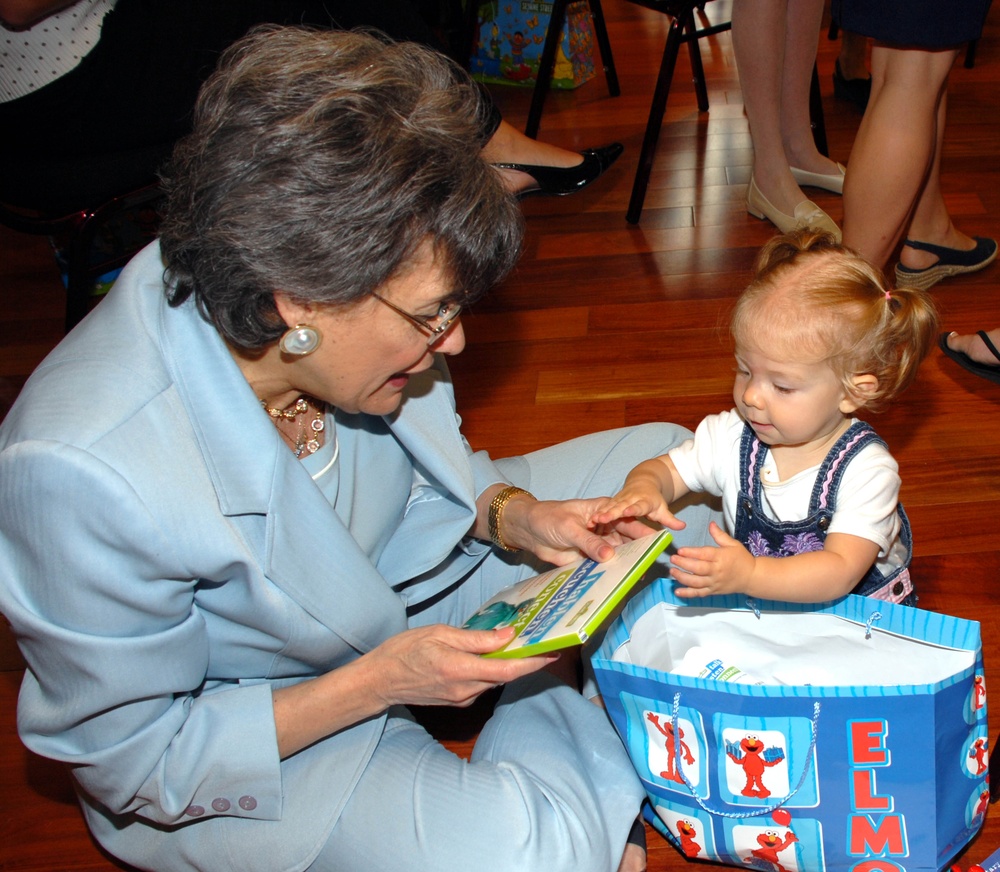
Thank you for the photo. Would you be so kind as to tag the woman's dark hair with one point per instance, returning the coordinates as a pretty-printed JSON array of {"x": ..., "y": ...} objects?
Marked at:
[{"x": 319, "y": 163}]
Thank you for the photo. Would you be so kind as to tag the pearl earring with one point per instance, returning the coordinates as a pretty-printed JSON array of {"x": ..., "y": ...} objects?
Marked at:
[{"x": 300, "y": 340}]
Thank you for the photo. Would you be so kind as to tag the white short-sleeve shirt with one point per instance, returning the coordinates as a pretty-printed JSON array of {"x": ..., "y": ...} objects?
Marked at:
[{"x": 866, "y": 500}]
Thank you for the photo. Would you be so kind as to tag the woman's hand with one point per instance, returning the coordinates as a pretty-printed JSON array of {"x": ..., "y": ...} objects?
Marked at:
[
  {"x": 435, "y": 665},
  {"x": 441, "y": 665},
  {"x": 560, "y": 531}
]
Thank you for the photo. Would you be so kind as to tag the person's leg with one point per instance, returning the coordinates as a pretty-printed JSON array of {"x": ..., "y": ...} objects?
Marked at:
[
  {"x": 549, "y": 786},
  {"x": 930, "y": 221},
  {"x": 759, "y": 41},
  {"x": 894, "y": 148},
  {"x": 510, "y": 145},
  {"x": 802, "y": 26}
]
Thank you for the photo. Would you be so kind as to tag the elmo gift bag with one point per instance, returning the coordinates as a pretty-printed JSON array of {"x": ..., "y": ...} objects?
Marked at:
[{"x": 790, "y": 737}]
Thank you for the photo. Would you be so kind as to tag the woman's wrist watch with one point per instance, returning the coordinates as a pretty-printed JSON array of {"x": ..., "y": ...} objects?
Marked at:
[{"x": 495, "y": 514}]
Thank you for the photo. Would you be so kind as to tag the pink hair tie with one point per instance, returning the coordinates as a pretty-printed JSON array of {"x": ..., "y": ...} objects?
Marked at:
[{"x": 888, "y": 296}]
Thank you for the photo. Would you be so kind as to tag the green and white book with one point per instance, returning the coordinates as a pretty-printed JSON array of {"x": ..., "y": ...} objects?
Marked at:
[{"x": 567, "y": 605}]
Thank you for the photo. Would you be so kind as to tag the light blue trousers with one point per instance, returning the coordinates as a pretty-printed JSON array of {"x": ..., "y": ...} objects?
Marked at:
[{"x": 549, "y": 786}]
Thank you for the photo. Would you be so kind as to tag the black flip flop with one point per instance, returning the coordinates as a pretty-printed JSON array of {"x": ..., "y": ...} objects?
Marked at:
[{"x": 990, "y": 372}]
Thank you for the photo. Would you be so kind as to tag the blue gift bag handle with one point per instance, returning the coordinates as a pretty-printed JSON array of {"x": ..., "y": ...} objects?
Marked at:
[{"x": 755, "y": 812}]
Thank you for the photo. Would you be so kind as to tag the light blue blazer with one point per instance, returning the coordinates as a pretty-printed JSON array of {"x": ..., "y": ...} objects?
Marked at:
[{"x": 165, "y": 561}]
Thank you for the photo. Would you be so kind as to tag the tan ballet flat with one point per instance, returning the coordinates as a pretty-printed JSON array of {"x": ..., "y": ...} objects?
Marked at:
[
  {"x": 807, "y": 213},
  {"x": 832, "y": 182}
]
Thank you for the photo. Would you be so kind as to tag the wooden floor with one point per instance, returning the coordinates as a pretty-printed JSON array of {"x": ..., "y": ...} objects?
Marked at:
[{"x": 606, "y": 324}]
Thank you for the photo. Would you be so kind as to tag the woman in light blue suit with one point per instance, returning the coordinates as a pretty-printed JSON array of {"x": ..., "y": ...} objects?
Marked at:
[{"x": 239, "y": 525}]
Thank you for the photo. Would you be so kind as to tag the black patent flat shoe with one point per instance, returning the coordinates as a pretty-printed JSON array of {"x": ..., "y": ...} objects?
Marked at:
[{"x": 559, "y": 181}]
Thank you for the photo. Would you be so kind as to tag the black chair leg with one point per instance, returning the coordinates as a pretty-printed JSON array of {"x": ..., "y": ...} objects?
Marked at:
[
  {"x": 656, "y": 112},
  {"x": 604, "y": 46},
  {"x": 545, "y": 66},
  {"x": 697, "y": 68},
  {"x": 547, "y": 63}
]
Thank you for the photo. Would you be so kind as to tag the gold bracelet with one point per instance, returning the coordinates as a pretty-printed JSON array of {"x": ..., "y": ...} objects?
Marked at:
[{"x": 496, "y": 508}]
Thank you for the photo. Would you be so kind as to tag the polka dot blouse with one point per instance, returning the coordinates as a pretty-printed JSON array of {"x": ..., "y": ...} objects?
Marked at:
[{"x": 30, "y": 59}]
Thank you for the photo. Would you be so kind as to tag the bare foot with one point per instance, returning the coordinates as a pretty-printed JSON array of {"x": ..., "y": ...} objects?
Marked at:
[{"x": 973, "y": 346}]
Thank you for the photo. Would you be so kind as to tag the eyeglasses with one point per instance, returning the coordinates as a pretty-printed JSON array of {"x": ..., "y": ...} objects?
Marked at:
[{"x": 435, "y": 327}]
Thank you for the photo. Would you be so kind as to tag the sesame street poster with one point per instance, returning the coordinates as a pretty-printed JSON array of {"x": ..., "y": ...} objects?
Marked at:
[{"x": 510, "y": 38}]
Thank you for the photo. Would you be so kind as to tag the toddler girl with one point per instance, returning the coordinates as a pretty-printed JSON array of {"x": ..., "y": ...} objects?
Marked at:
[{"x": 810, "y": 493}]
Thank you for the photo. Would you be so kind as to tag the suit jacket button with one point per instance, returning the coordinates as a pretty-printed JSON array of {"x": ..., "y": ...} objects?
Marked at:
[
  {"x": 194, "y": 810},
  {"x": 220, "y": 804},
  {"x": 248, "y": 803}
]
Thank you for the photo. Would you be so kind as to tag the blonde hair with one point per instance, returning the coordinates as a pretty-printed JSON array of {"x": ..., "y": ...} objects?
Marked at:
[{"x": 812, "y": 297}]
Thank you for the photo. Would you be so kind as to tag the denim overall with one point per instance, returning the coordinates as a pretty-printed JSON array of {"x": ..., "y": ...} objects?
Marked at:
[{"x": 764, "y": 537}]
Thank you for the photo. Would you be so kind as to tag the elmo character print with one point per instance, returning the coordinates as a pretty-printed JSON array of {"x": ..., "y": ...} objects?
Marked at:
[
  {"x": 686, "y": 835},
  {"x": 673, "y": 745},
  {"x": 978, "y": 757},
  {"x": 754, "y": 759},
  {"x": 770, "y": 844}
]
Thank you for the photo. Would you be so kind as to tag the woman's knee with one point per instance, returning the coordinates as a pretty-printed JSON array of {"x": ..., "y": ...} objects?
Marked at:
[{"x": 920, "y": 72}]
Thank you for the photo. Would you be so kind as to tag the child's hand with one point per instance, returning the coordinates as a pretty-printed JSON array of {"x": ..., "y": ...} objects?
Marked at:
[
  {"x": 636, "y": 500},
  {"x": 707, "y": 570}
]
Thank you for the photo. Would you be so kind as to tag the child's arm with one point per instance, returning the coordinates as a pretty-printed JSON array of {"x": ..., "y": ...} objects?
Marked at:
[
  {"x": 817, "y": 576},
  {"x": 647, "y": 493}
]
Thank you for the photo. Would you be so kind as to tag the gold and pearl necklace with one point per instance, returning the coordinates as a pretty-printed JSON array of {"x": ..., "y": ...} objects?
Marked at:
[{"x": 308, "y": 436}]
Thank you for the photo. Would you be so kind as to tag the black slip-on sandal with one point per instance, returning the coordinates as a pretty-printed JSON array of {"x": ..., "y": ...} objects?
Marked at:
[{"x": 951, "y": 262}]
